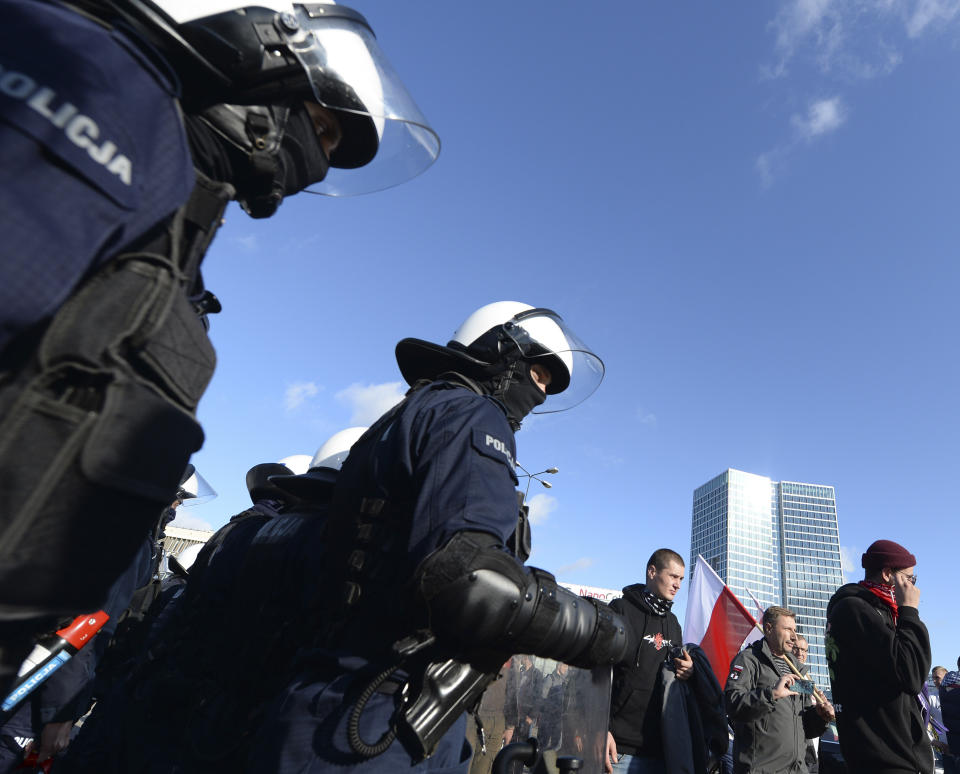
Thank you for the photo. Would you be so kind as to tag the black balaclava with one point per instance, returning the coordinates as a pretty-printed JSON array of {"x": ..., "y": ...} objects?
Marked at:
[
  {"x": 261, "y": 178},
  {"x": 514, "y": 388},
  {"x": 167, "y": 515},
  {"x": 507, "y": 378},
  {"x": 302, "y": 159},
  {"x": 512, "y": 385}
]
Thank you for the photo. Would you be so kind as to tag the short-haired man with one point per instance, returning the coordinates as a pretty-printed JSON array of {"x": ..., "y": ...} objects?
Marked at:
[
  {"x": 771, "y": 723},
  {"x": 878, "y": 652},
  {"x": 936, "y": 675},
  {"x": 634, "y": 741},
  {"x": 801, "y": 648}
]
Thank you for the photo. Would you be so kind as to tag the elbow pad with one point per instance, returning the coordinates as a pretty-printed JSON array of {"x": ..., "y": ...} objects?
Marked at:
[{"x": 479, "y": 596}]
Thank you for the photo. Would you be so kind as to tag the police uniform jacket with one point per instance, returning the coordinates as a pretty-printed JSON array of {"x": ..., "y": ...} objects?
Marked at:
[
  {"x": 93, "y": 150},
  {"x": 877, "y": 668},
  {"x": 440, "y": 462},
  {"x": 769, "y": 734}
]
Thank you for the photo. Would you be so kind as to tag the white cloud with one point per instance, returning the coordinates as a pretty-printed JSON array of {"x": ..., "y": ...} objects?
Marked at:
[
  {"x": 646, "y": 418},
  {"x": 928, "y": 11},
  {"x": 823, "y": 116},
  {"x": 766, "y": 166},
  {"x": 298, "y": 393},
  {"x": 581, "y": 564},
  {"x": 848, "y": 564},
  {"x": 795, "y": 21},
  {"x": 369, "y": 402},
  {"x": 847, "y": 41},
  {"x": 186, "y": 520},
  {"x": 852, "y": 38},
  {"x": 248, "y": 243},
  {"x": 541, "y": 506}
]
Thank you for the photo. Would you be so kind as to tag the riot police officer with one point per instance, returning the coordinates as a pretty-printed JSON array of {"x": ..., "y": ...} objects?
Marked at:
[
  {"x": 126, "y": 126},
  {"x": 426, "y": 595},
  {"x": 192, "y": 699}
]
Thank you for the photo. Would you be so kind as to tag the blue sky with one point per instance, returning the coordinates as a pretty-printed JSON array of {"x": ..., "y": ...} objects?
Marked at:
[{"x": 749, "y": 211}]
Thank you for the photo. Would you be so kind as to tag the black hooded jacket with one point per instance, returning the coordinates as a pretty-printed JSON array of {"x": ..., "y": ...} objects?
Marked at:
[
  {"x": 634, "y": 706},
  {"x": 877, "y": 668}
]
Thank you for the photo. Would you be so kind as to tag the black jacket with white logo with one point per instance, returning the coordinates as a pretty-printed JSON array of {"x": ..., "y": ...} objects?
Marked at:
[{"x": 635, "y": 704}]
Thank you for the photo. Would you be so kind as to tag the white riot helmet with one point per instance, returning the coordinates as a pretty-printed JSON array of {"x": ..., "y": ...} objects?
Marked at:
[
  {"x": 503, "y": 332},
  {"x": 324, "y": 466},
  {"x": 336, "y": 448},
  {"x": 297, "y": 463},
  {"x": 279, "y": 53}
]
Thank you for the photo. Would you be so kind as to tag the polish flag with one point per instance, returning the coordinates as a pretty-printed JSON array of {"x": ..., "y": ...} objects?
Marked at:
[{"x": 717, "y": 620}]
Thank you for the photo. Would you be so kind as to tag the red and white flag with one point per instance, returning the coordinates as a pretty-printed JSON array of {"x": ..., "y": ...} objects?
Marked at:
[{"x": 717, "y": 619}]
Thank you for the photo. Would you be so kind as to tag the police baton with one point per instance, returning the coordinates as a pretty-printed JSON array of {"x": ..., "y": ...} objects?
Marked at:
[{"x": 51, "y": 653}]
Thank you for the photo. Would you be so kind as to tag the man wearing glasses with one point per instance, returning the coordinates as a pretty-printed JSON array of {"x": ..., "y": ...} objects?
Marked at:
[
  {"x": 800, "y": 650},
  {"x": 878, "y": 652}
]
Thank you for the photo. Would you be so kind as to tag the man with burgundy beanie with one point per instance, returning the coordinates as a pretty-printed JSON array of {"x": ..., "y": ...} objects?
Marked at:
[{"x": 878, "y": 652}]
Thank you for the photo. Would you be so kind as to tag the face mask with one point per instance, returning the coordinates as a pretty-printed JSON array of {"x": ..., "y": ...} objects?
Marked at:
[
  {"x": 518, "y": 392},
  {"x": 222, "y": 146},
  {"x": 302, "y": 160},
  {"x": 168, "y": 515}
]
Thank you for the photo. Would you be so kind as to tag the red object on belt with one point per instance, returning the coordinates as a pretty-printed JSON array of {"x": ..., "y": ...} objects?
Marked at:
[{"x": 31, "y": 762}]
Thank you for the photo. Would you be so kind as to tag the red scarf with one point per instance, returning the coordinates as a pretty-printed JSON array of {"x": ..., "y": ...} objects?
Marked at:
[{"x": 885, "y": 593}]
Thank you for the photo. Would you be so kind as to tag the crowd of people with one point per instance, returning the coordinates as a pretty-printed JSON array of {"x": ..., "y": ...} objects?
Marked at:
[
  {"x": 354, "y": 614},
  {"x": 224, "y": 671},
  {"x": 769, "y": 716}
]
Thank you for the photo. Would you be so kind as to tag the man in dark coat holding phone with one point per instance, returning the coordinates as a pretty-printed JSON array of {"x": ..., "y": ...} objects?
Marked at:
[{"x": 878, "y": 651}]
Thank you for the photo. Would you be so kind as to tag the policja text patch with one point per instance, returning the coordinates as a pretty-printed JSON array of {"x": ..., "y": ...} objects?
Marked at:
[
  {"x": 79, "y": 129},
  {"x": 494, "y": 447}
]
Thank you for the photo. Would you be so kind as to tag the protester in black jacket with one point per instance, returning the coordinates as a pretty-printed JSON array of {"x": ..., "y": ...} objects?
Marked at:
[
  {"x": 878, "y": 651},
  {"x": 635, "y": 704}
]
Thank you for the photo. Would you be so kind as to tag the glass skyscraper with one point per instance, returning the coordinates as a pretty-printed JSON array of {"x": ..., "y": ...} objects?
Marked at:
[{"x": 777, "y": 540}]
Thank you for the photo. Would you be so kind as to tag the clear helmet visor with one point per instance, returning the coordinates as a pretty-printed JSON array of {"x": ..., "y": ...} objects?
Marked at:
[
  {"x": 575, "y": 370},
  {"x": 195, "y": 490},
  {"x": 384, "y": 133}
]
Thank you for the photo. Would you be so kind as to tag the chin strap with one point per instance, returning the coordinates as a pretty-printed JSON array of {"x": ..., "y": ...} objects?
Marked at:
[{"x": 262, "y": 191}]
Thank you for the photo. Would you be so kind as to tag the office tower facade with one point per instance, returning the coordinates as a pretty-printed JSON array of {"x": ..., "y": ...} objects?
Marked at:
[{"x": 776, "y": 540}]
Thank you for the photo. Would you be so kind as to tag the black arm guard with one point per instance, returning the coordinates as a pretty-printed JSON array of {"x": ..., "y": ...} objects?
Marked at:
[{"x": 479, "y": 596}]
